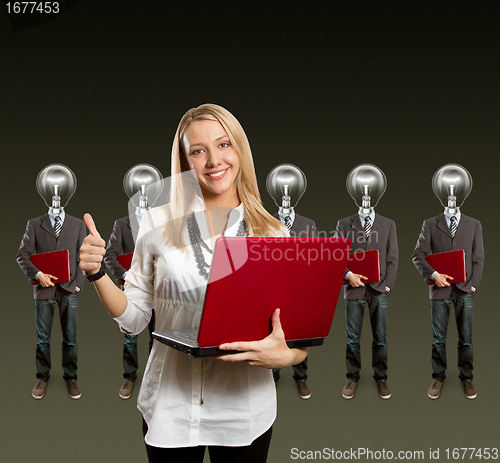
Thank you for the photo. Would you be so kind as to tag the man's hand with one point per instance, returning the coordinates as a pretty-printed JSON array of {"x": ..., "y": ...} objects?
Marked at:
[
  {"x": 92, "y": 249},
  {"x": 45, "y": 279},
  {"x": 441, "y": 280},
  {"x": 355, "y": 279},
  {"x": 270, "y": 352}
]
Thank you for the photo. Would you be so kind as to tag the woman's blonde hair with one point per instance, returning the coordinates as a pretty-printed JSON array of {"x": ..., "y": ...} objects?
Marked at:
[{"x": 259, "y": 221}]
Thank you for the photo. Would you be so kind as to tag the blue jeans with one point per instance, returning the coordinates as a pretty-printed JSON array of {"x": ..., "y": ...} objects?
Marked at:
[
  {"x": 44, "y": 317},
  {"x": 354, "y": 313},
  {"x": 299, "y": 371},
  {"x": 130, "y": 355},
  {"x": 440, "y": 316}
]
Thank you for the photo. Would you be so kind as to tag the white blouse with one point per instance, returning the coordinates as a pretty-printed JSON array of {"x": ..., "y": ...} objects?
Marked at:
[{"x": 186, "y": 401}]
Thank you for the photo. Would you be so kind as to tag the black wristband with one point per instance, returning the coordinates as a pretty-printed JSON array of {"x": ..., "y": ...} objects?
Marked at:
[{"x": 96, "y": 276}]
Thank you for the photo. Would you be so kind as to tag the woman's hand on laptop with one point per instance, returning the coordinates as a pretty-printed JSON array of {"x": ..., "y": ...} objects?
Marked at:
[{"x": 270, "y": 352}]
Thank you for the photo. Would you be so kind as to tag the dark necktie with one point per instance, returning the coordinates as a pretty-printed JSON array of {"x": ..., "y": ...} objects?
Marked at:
[
  {"x": 288, "y": 223},
  {"x": 368, "y": 226},
  {"x": 57, "y": 225},
  {"x": 453, "y": 226}
]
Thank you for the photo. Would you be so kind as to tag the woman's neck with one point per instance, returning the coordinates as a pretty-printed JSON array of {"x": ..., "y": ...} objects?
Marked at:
[
  {"x": 217, "y": 212},
  {"x": 221, "y": 201}
]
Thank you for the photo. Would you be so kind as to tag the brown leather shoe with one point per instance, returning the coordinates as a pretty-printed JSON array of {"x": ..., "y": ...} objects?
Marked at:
[
  {"x": 304, "y": 391},
  {"x": 469, "y": 389},
  {"x": 349, "y": 388},
  {"x": 73, "y": 389},
  {"x": 383, "y": 389},
  {"x": 434, "y": 389},
  {"x": 39, "y": 390},
  {"x": 126, "y": 390}
]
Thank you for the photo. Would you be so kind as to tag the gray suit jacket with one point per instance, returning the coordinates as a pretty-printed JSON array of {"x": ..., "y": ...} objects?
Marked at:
[
  {"x": 40, "y": 236},
  {"x": 436, "y": 237},
  {"x": 382, "y": 237},
  {"x": 122, "y": 240},
  {"x": 302, "y": 227}
]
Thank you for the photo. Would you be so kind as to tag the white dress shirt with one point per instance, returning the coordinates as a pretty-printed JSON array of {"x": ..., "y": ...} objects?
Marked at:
[
  {"x": 189, "y": 401},
  {"x": 282, "y": 217}
]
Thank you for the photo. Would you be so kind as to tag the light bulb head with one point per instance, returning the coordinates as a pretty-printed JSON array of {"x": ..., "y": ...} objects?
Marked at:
[
  {"x": 286, "y": 184},
  {"x": 452, "y": 183},
  {"x": 366, "y": 184},
  {"x": 143, "y": 185},
  {"x": 56, "y": 184}
]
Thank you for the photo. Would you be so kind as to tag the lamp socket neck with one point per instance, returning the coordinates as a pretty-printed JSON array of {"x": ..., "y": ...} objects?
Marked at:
[
  {"x": 366, "y": 210},
  {"x": 56, "y": 210},
  {"x": 286, "y": 211},
  {"x": 452, "y": 210}
]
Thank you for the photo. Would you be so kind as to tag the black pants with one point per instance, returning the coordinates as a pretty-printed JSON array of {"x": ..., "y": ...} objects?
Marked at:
[{"x": 256, "y": 452}]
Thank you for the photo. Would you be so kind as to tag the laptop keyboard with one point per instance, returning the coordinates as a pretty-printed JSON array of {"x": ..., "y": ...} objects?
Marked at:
[{"x": 187, "y": 337}]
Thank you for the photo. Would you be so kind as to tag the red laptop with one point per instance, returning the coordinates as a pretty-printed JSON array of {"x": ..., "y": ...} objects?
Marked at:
[
  {"x": 125, "y": 260},
  {"x": 54, "y": 263},
  {"x": 251, "y": 277},
  {"x": 450, "y": 263},
  {"x": 365, "y": 263}
]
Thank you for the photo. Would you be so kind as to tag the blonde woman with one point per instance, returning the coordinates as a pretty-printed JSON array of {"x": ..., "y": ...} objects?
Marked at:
[{"x": 228, "y": 403}]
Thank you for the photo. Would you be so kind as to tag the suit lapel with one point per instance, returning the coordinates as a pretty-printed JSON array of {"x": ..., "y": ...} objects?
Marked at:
[
  {"x": 358, "y": 235},
  {"x": 442, "y": 225},
  {"x": 65, "y": 226},
  {"x": 356, "y": 224},
  {"x": 297, "y": 224},
  {"x": 47, "y": 226},
  {"x": 462, "y": 225},
  {"x": 375, "y": 228}
]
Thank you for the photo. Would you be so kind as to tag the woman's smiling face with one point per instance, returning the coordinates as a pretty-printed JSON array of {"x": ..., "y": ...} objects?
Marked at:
[{"x": 210, "y": 153}]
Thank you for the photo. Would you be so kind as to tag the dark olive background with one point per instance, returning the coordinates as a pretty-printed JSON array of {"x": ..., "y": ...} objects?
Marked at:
[{"x": 408, "y": 86}]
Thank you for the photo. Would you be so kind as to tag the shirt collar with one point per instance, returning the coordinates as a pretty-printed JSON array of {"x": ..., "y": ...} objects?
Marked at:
[
  {"x": 235, "y": 217},
  {"x": 199, "y": 204},
  {"x": 362, "y": 217},
  {"x": 457, "y": 216},
  {"x": 282, "y": 216},
  {"x": 62, "y": 216},
  {"x": 138, "y": 216}
]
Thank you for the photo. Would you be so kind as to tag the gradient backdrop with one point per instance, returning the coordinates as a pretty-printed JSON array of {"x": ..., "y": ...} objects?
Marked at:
[{"x": 408, "y": 86}]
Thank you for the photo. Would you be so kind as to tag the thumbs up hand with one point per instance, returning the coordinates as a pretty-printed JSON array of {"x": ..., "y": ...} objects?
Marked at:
[{"x": 92, "y": 249}]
